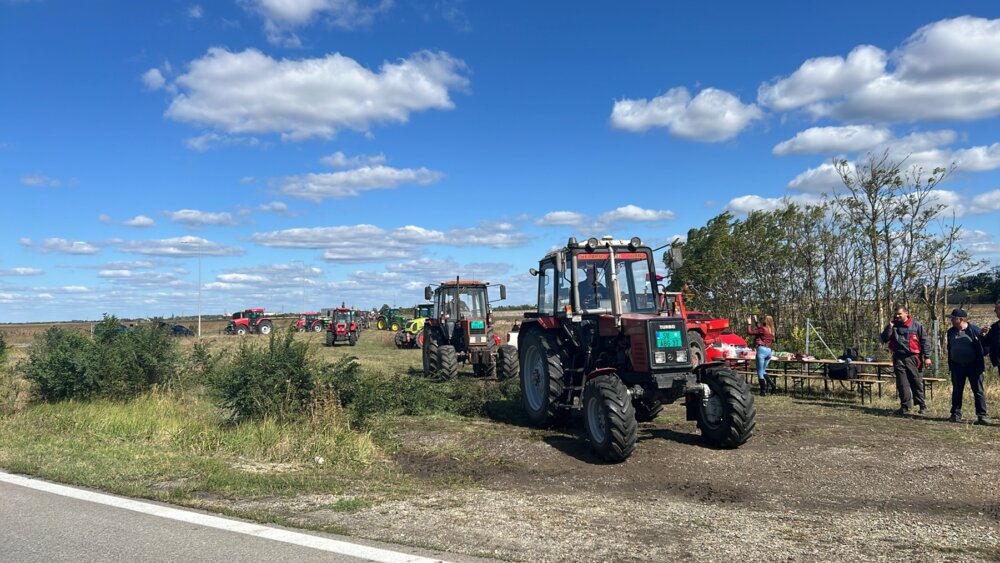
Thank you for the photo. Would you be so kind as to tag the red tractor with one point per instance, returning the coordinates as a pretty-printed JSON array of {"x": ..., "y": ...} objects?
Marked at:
[
  {"x": 463, "y": 332},
  {"x": 311, "y": 322},
  {"x": 601, "y": 343},
  {"x": 249, "y": 321},
  {"x": 343, "y": 327}
]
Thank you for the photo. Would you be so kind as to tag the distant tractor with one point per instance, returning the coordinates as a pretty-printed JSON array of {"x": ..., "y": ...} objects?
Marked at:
[
  {"x": 310, "y": 322},
  {"x": 343, "y": 327},
  {"x": 462, "y": 332},
  {"x": 602, "y": 343},
  {"x": 249, "y": 321},
  {"x": 412, "y": 335},
  {"x": 392, "y": 320}
]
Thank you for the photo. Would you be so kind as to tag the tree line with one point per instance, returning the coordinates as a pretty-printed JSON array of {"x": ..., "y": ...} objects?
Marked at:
[{"x": 882, "y": 238}]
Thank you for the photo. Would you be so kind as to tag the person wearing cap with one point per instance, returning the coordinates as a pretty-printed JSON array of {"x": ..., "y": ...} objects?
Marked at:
[
  {"x": 966, "y": 361},
  {"x": 910, "y": 349}
]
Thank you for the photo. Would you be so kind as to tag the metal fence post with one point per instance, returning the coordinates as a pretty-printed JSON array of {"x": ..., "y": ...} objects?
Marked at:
[{"x": 808, "y": 329}]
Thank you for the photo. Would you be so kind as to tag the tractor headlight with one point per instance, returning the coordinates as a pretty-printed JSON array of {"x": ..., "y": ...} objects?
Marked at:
[
  {"x": 659, "y": 357},
  {"x": 682, "y": 356}
]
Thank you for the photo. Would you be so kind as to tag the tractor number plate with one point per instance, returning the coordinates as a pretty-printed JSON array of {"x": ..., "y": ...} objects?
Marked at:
[
  {"x": 668, "y": 339},
  {"x": 477, "y": 324}
]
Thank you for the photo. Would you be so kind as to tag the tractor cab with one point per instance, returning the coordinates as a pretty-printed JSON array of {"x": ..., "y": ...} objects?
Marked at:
[
  {"x": 464, "y": 314},
  {"x": 423, "y": 311},
  {"x": 343, "y": 327}
]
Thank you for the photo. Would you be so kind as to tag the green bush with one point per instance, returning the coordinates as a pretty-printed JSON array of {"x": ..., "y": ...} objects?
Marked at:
[
  {"x": 57, "y": 364},
  {"x": 116, "y": 364},
  {"x": 277, "y": 379}
]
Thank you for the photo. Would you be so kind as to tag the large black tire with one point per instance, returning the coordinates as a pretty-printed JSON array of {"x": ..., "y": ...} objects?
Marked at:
[
  {"x": 352, "y": 339},
  {"x": 507, "y": 364},
  {"x": 728, "y": 418},
  {"x": 430, "y": 352},
  {"x": 329, "y": 338},
  {"x": 610, "y": 417},
  {"x": 264, "y": 327},
  {"x": 697, "y": 345},
  {"x": 398, "y": 340},
  {"x": 647, "y": 409},
  {"x": 447, "y": 362},
  {"x": 542, "y": 384},
  {"x": 317, "y": 327}
]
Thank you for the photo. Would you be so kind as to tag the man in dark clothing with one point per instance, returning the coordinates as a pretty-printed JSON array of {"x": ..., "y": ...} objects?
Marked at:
[
  {"x": 965, "y": 361},
  {"x": 910, "y": 354},
  {"x": 991, "y": 338}
]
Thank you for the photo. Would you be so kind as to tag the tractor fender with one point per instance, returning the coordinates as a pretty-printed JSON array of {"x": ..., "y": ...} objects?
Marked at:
[
  {"x": 598, "y": 372},
  {"x": 700, "y": 369}
]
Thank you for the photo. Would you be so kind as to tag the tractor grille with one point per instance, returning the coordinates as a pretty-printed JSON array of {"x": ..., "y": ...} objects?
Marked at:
[
  {"x": 668, "y": 345},
  {"x": 477, "y": 333}
]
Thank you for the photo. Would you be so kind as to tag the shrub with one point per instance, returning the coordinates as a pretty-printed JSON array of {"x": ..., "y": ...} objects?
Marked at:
[
  {"x": 272, "y": 380},
  {"x": 57, "y": 365}
]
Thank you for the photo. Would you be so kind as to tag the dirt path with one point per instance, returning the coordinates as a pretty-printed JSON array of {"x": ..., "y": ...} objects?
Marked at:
[{"x": 821, "y": 480}]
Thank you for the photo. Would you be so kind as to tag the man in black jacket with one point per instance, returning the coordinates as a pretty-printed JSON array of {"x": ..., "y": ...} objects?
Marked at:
[
  {"x": 910, "y": 349},
  {"x": 965, "y": 361},
  {"x": 991, "y": 338}
]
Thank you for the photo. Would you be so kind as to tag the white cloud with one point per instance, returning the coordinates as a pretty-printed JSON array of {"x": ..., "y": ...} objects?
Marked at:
[
  {"x": 195, "y": 12},
  {"x": 139, "y": 221},
  {"x": 105, "y": 218},
  {"x": 60, "y": 246},
  {"x": 210, "y": 140},
  {"x": 283, "y": 17},
  {"x": 947, "y": 70},
  {"x": 40, "y": 180},
  {"x": 368, "y": 243},
  {"x": 153, "y": 79},
  {"x": 340, "y": 160},
  {"x": 251, "y": 93},
  {"x": 241, "y": 278},
  {"x": 833, "y": 140},
  {"x": 557, "y": 218},
  {"x": 743, "y": 205},
  {"x": 278, "y": 207},
  {"x": 824, "y": 77},
  {"x": 196, "y": 218},
  {"x": 713, "y": 115},
  {"x": 986, "y": 202},
  {"x": 21, "y": 271},
  {"x": 74, "y": 289},
  {"x": 634, "y": 213},
  {"x": 822, "y": 179},
  {"x": 179, "y": 247},
  {"x": 348, "y": 183}
]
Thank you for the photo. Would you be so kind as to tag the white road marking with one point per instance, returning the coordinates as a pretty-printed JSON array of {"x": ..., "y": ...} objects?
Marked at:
[{"x": 315, "y": 542}]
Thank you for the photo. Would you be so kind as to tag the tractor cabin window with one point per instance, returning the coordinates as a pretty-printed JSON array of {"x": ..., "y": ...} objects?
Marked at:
[
  {"x": 546, "y": 292},
  {"x": 594, "y": 282}
]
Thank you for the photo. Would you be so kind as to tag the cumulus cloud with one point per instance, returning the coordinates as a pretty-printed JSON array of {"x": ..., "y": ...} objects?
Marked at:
[
  {"x": 711, "y": 116},
  {"x": 986, "y": 202},
  {"x": 195, "y": 12},
  {"x": 60, "y": 246},
  {"x": 822, "y": 179},
  {"x": 634, "y": 213},
  {"x": 349, "y": 183},
  {"x": 341, "y": 160},
  {"x": 196, "y": 218},
  {"x": 283, "y": 17},
  {"x": 368, "y": 243},
  {"x": 179, "y": 247},
  {"x": 40, "y": 180},
  {"x": 211, "y": 140},
  {"x": 833, "y": 140},
  {"x": 561, "y": 218},
  {"x": 139, "y": 221},
  {"x": 947, "y": 70},
  {"x": 249, "y": 92},
  {"x": 154, "y": 79},
  {"x": 21, "y": 271},
  {"x": 279, "y": 207},
  {"x": 743, "y": 205},
  {"x": 241, "y": 278}
]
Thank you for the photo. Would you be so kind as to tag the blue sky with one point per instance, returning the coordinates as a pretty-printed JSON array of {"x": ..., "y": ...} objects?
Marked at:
[{"x": 319, "y": 151}]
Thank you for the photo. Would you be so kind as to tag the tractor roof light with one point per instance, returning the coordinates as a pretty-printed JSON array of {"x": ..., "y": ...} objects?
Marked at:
[
  {"x": 634, "y": 242},
  {"x": 592, "y": 243}
]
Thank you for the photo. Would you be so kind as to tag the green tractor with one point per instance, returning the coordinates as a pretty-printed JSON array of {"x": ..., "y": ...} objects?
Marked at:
[
  {"x": 412, "y": 335},
  {"x": 392, "y": 320}
]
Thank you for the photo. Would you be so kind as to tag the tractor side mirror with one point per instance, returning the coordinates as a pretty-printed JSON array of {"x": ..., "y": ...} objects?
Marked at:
[
  {"x": 533, "y": 271},
  {"x": 503, "y": 292},
  {"x": 428, "y": 293},
  {"x": 560, "y": 262},
  {"x": 675, "y": 258}
]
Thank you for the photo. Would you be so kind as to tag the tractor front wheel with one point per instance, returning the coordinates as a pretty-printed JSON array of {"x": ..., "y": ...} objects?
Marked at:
[
  {"x": 542, "y": 385},
  {"x": 610, "y": 417},
  {"x": 506, "y": 362},
  {"x": 430, "y": 353},
  {"x": 381, "y": 323},
  {"x": 329, "y": 338},
  {"x": 352, "y": 339},
  {"x": 241, "y": 330},
  {"x": 447, "y": 362},
  {"x": 728, "y": 417}
]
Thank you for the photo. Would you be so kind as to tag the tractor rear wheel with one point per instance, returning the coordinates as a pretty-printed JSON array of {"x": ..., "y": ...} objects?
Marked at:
[
  {"x": 506, "y": 362},
  {"x": 610, "y": 417},
  {"x": 264, "y": 327},
  {"x": 542, "y": 385},
  {"x": 728, "y": 418},
  {"x": 329, "y": 338},
  {"x": 697, "y": 345},
  {"x": 317, "y": 326},
  {"x": 394, "y": 326},
  {"x": 381, "y": 323},
  {"x": 647, "y": 409},
  {"x": 430, "y": 353},
  {"x": 447, "y": 362}
]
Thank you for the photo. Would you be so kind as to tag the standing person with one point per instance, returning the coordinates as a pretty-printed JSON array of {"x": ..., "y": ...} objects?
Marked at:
[
  {"x": 965, "y": 361},
  {"x": 910, "y": 355},
  {"x": 991, "y": 338},
  {"x": 763, "y": 336}
]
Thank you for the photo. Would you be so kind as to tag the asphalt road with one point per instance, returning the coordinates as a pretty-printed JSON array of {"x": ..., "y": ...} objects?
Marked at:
[{"x": 40, "y": 521}]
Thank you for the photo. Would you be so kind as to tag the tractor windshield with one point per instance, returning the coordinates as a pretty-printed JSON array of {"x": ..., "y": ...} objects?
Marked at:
[
  {"x": 342, "y": 317},
  {"x": 593, "y": 278},
  {"x": 463, "y": 302}
]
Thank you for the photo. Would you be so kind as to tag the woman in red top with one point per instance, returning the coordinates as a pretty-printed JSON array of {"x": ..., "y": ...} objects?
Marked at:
[{"x": 763, "y": 336}]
